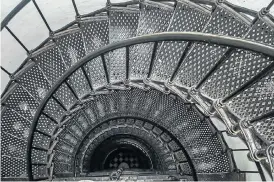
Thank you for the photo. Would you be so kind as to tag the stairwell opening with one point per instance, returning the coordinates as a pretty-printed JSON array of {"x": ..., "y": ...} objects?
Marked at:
[{"x": 121, "y": 152}]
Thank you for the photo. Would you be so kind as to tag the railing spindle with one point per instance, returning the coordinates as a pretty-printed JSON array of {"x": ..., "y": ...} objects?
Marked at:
[
  {"x": 152, "y": 59},
  {"x": 42, "y": 16},
  {"x": 17, "y": 39}
]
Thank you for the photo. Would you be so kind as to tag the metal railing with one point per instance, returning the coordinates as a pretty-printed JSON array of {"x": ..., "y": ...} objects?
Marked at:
[
  {"x": 190, "y": 37},
  {"x": 23, "y": 3},
  {"x": 154, "y": 38}
]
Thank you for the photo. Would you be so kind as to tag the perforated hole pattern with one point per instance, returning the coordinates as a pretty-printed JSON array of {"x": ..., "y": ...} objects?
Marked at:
[
  {"x": 256, "y": 100},
  {"x": 72, "y": 47},
  {"x": 240, "y": 67},
  {"x": 185, "y": 18}
]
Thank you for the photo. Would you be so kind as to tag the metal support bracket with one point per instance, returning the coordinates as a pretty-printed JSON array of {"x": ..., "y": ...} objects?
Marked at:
[
  {"x": 221, "y": 111},
  {"x": 195, "y": 97},
  {"x": 50, "y": 158},
  {"x": 255, "y": 153},
  {"x": 270, "y": 157},
  {"x": 150, "y": 83},
  {"x": 182, "y": 93}
]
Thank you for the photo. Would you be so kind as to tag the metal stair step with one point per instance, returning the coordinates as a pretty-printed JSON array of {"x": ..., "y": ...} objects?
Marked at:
[
  {"x": 51, "y": 63},
  {"x": 256, "y": 100},
  {"x": 95, "y": 32},
  {"x": 188, "y": 17},
  {"x": 154, "y": 18},
  {"x": 236, "y": 70},
  {"x": 21, "y": 101},
  {"x": 243, "y": 64},
  {"x": 34, "y": 80},
  {"x": 203, "y": 56},
  {"x": 71, "y": 46},
  {"x": 65, "y": 96},
  {"x": 13, "y": 167},
  {"x": 54, "y": 110},
  {"x": 80, "y": 83},
  {"x": 123, "y": 24},
  {"x": 213, "y": 164},
  {"x": 262, "y": 31},
  {"x": 206, "y": 147},
  {"x": 95, "y": 72},
  {"x": 14, "y": 124}
]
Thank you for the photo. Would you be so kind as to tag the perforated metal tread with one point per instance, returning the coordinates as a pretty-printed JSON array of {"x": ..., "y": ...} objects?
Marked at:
[
  {"x": 202, "y": 56},
  {"x": 75, "y": 130},
  {"x": 265, "y": 129},
  {"x": 62, "y": 168},
  {"x": 214, "y": 164},
  {"x": 95, "y": 33},
  {"x": 154, "y": 18},
  {"x": 123, "y": 24},
  {"x": 62, "y": 157},
  {"x": 12, "y": 146},
  {"x": 22, "y": 102},
  {"x": 13, "y": 166},
  {"x": 187, "y": 17},
  {"x": 71, "y": 45},
  {"x": 96, "y": 73},
  {"x": 51, "y": 63},
  {"x": 54, "y": 110},
  {"x": 14, "y": 124},
  {"x": 79, "y": 83},
  {"x": 42, "y": 141},
  {"x": 207, "y": 147},
  {"x": 35, "y": 82},
  {"x": 104, "y": 105},
  {"x": 46, "y": 125},
  {"x": 65, "y": 96},
  {"x": 241, "y": 65},
  {"x": 256, "y": 100},
  {"x": 262, "y": 31}
]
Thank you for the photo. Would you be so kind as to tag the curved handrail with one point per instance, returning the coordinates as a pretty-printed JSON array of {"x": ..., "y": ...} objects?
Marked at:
[
  {"x": 13, "y": 12},
  {"x": 23, "y": 3},
  {"x": 174, "y": 36}
]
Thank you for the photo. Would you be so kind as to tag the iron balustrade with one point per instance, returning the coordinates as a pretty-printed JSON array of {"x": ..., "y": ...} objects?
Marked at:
[
  {"x": 154, "y": 38},
  {"x": 190, "y": 37}
]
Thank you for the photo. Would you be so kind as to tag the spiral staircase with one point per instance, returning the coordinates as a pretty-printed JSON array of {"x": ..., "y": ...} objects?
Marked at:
[{"x": 144, "y": 90}]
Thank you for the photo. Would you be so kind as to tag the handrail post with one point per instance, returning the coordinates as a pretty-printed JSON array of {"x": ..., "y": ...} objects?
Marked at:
[
  {"x": 188, "y": 46},
  {"x": 105, "y": 67},
  {"x": 263, "y": 11},
  {"x": 127, "y": 62},
  {"x": 7, "y": 72},
  {"x": 72, "y": 90},
  {"x": 270, "y": 5},
  {"x": 152, "y": 59},
  {"x": 75, "y": 8},
  {"x": 17, "y": 39},
  {"x": 86, "y": 76},
  {"x": 42, "y": 16}
]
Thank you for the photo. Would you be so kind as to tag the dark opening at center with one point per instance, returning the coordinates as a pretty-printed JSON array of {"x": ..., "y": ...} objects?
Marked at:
[
  {"x": 127, "y": 157},
  {"x": 120, "y": 153}
]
